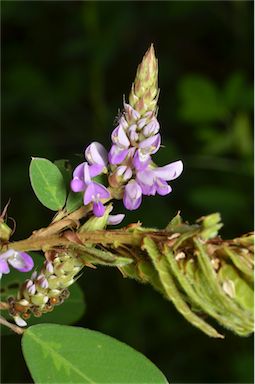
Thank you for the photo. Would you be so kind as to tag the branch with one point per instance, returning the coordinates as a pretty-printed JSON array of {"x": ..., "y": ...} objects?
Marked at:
[
  {"x": 13, "y": 327},
  {"x": 189, "y": 265}
]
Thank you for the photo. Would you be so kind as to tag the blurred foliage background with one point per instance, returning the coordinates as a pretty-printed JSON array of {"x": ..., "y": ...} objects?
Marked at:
[{"x": 65, "y": 68}]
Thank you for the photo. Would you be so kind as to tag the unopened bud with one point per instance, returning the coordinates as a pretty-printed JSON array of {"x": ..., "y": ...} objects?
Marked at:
[{"x": 5, "y": 231}]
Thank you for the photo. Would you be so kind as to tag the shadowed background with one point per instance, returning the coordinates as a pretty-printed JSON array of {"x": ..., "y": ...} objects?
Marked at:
[{"x": 65, "y": 68}]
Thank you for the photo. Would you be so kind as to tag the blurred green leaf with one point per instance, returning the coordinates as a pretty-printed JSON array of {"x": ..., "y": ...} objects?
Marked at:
[
  {"x": 48, "y": 183},
  {"x": 77, "y": 355},
  {"x": 201, "y": 101},
  {"x": 213, "y": 141},
  {"x": 237, "y": 94},
  {"x": 242, "y": 133},
  {"x": 218, "y": 197}
]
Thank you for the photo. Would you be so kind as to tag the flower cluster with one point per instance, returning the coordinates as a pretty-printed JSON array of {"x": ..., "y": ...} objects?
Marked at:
[
  {"x": 18, "y": 260},
  {"x": 45, "y": 288},
  {"x": 135, "y": 140},
  {"x": 129, "y": 166}
]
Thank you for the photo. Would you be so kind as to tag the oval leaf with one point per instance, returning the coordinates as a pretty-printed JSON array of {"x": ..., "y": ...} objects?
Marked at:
[
  {"x": 63, "y": 354},
  {"x": 48, "y": 183}
]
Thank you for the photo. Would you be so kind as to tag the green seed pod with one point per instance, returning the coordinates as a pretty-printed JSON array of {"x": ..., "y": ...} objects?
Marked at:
[
  {"x": 235, "y": 287},
  {"x": 210, "y": 226},
  {"x": 130, "y": 271}
]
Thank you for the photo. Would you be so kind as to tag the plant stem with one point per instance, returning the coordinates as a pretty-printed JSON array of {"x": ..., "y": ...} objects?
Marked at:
[
  {"x": 13, "y": 327},
  {"x": 111, "y": 237}
]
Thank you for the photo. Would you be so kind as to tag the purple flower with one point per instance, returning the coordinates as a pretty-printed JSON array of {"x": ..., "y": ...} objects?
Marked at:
[
  {"x": 93, "y": 191},
  {"x": 133, "y": 195},
  {"x": 128, "y": 165},
  {"x": 18, "y": 260},
  {"x": 82, "y": 175},
  {"x": 153, "y": 180}
]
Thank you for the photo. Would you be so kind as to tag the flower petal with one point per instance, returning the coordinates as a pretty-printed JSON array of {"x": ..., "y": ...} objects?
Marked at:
[
  {"x": 98, "y": 209},
  {"x": 119, "y": 137},
  {"x": 146, "y": 180},
  {"x": 131, "y": 112},
  {"x": 141, "y": 160},
  {"x": 141, "y": 123},
  {"x": 4, "y": 267},
  {"x": 19, "y": 321},
  {"x": 145, "y": 177},
  {"x": 21, "y": 261},
  {"x": 95, "y": 169},
  {"x": 132, "y": 196},
  {"x": 132, "y": 132},
  {"x": 151, "y": 145},
  {"x": 115, "y": 219},
  {"x": 151, "y": 128},
  {"x": 77, "y": 185},
  {"x": 79, "y": 171},
  {"x": 117, "y": 154},
  {"x": 170, "y": 171},
  {"x": 101, "y": 190},
  {"x": 162, "y": 187},
  {"x": 96, "y": 153},
  {"x": 87, "y": 178},
  {"x": 89, "y": 193}
]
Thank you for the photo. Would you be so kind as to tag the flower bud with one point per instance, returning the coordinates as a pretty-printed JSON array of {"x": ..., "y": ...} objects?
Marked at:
[{"x": 5, "y": 231}]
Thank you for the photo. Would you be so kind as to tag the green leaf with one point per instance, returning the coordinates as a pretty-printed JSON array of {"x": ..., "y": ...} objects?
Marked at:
[
  {"x": 65, "y": 168},
  {"x": 242, "y": 134},
  {"x": 74, "y": 201},
  {"x": 201, "y": 100},
  {"x": 62, "y": 354},
  {"x": 48, "y": 183}
]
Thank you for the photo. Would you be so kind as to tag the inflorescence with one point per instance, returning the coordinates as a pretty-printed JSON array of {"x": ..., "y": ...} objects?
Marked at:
[
  {"x": 129, "y": 166},
  {"x": 130, "y": 173}
]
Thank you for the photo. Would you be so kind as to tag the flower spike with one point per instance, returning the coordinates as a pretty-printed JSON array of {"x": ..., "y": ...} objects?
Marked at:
[{"x": 135, "y": 139}]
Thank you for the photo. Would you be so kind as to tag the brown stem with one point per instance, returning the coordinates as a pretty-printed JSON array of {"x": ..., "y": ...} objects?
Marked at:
[
  {"x": 13, "y": 327},
  {"x": 68, "y": 221},
  {"x": 4, "y": 306},
  {"x": 94, "y": 237}
]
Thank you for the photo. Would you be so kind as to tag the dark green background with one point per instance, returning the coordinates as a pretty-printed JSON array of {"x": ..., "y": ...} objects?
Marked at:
[{"x": 65, "y": 68}]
